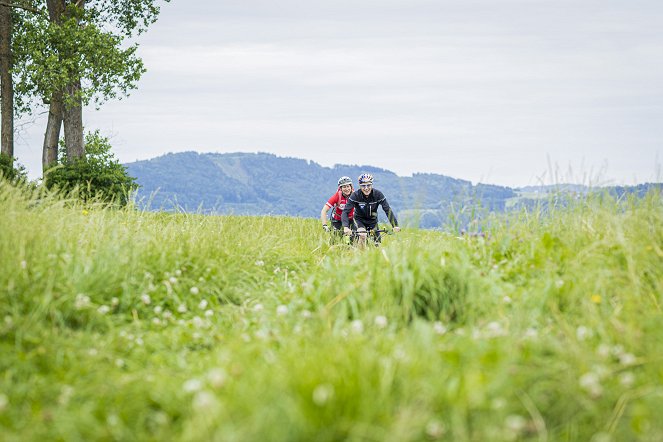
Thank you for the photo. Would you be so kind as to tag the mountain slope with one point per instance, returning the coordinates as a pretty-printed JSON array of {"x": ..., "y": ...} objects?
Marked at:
[{"x": 262, "y": 183}]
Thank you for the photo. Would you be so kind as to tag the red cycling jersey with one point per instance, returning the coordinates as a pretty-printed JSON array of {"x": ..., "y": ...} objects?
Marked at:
[{"x": 338, "y": 201}]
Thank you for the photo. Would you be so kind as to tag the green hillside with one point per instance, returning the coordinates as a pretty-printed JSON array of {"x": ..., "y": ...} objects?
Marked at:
[
  {"x": 259, "y": 184},
  {"x": 137, "y": 325}
]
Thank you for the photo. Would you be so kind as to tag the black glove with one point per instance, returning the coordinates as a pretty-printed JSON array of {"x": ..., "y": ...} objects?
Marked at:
[{"x": 326, "y": 227}]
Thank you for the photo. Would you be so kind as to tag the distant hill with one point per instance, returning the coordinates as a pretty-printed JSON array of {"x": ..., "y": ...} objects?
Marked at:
[
  {"x": 262, "y": 183},
  {"x": 265, "y": 184}
]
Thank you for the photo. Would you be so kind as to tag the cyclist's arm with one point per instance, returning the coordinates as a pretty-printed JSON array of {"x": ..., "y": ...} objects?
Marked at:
[
  {"x": 323, "y": 214},
  {"x": 390, "y": 213},
  {"x": 345, "y": 216}
]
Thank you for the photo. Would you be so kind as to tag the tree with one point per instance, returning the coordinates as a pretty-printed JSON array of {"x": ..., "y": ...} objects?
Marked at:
[
  {"x": 74, "y": 55},
  {"x": 6, "y": 83}
]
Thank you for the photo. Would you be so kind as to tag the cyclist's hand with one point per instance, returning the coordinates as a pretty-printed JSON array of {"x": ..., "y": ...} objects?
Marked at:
[
  {"x": 347, "y": 230},
  {"x": 362, "y": 233},
  {"x": 326, "y": 227},
  {"x": 397, "y": 229}
]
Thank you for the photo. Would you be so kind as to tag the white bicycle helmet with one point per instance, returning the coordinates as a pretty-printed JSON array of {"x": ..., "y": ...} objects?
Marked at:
[
  {"x": 365, "y": 178},
  {"x": 344, "y": 180}
]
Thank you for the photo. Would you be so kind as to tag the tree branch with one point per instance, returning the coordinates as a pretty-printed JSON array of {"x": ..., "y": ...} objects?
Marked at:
[{"x": 17, "y": 6}]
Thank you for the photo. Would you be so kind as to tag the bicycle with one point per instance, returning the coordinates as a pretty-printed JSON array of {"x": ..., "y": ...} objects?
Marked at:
[{"x": 374, "y": 235}]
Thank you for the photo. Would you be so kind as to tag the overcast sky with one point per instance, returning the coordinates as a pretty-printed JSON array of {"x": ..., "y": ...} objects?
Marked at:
[{"x": 511, "y": 92}]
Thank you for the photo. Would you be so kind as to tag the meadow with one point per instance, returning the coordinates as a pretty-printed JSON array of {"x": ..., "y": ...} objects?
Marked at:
[{"x": 134, "y": 325}]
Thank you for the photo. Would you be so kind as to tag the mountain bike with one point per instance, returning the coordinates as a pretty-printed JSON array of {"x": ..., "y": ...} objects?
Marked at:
[{"x": 372, "y": 235}]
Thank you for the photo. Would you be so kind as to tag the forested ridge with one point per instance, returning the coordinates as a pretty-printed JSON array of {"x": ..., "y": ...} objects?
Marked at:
[
  {"x": 262, "y": 183},
  {"x": 266, "y": 184}
]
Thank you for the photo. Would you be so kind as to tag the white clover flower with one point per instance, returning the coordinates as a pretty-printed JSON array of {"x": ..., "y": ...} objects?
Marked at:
[
  {"x": 178, "y": 272},
  {"x": 281, "y": 310},
  {"x": 506, "y": 299},
  {"x": 531, "y": 333},
  {"x": 156, "y": 321},
  {"x": 103, "y": 309},
  {"x": 24, "y": 265},
  {"x": 82, "y": 301},
  {"x": 277, "y": 270},
  {"x": 201, "y": 279},
  {"x": 494, "y": 329},
  {"x": 380, "y": 321},
  {"x": 181, "y": 308},
  {"x": 217, "y": 377},
  {"x": 559, "y": 283},
  {"x": 202, "y": 305},
  {"x": 627, "y": 379},
  {"x": 167, "y": 314},
  {"x": 498, "y": 403},
  {"x": 65, "y": 394},
  {"x": 627, "y": 359},
  {"x": 158, "y": 309},
  {"x": 139, "y": 341},
  {"x": 209, "y": 313},
  {"x": 172, "y": 280},
  {"x": 262, "y": 334},
  {"x": 306, "y": 314},
  {"x": 260, "y": 263},
  {"x": 322, "y": 394},
  {"x": 435, "y": 429},
  {"x": 257, "y": 307},
  {"x": 439, "y": 328},
  {"x": 192, "y": 385},
  {"x": 115, "y": 301},
  {"x": 194, "y": 290},
  {"x": 113, "y": 420},
  {"x": 583, "y": 333},
  {"x": 617, "y": 350},
  {"x": 603, "y": 350},
  {"x": 204, "y": 400},
  {"x": 591, "y": 384},
  {"x": 198, "y": 322},
  {"x": 357, "y": 326},
  {"x": 145, "y": 298},
  {"x": 119, "y": 363},
  {"x": 515, "y": 423}
]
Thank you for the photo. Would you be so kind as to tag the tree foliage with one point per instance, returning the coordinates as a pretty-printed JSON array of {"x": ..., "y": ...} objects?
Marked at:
[
  {"x": 98, "y": 175},
  {"x": 11, "y": 170},
  {"x": 48, "y": 55}
]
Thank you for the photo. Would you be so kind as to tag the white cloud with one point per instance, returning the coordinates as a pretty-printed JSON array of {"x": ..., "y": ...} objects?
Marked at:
[{"x": 480, "y": 90}]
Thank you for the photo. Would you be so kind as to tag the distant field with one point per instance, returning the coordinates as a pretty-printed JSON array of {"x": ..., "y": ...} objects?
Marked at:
[{"x": 131, "y": 325}]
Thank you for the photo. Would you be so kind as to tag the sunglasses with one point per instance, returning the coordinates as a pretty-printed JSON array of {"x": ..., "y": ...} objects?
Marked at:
[{"x": 365, "y": 186}]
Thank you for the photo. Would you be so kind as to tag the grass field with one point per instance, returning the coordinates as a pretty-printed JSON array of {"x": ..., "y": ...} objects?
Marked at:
[{"x": 130, "y": 325}]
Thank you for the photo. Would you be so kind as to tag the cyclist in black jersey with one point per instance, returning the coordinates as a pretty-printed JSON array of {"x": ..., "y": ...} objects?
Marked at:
[{"x": 365, "y": 202}]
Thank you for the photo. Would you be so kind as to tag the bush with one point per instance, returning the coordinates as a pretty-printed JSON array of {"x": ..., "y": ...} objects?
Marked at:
[
  {"x": 11, "y": 170},
  {"x": 98, "y": 175}
]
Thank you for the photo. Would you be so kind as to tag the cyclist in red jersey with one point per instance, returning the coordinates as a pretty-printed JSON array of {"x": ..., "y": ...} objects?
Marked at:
[{"x": 338, "y": 202}]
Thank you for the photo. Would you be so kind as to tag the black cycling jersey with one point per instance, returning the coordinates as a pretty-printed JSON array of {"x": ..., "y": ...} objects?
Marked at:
[{"x": 366, "y": 209}]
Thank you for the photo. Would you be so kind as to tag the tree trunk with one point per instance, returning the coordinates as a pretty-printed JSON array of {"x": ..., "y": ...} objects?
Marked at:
[
  {"x": 6, "y": 83},
  {"x": 73, "y": 104},
  {"x": 52, "y": 136},
  {"x": 73, "y": 123}
]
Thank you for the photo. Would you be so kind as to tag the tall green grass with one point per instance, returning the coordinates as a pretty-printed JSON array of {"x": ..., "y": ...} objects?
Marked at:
[{"x": 130, "y": 325}]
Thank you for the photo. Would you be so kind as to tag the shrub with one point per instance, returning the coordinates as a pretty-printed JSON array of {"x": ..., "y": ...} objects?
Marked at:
[
  {"x": 97, "y": 175},
  {"x": 11, "y": 170}
]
